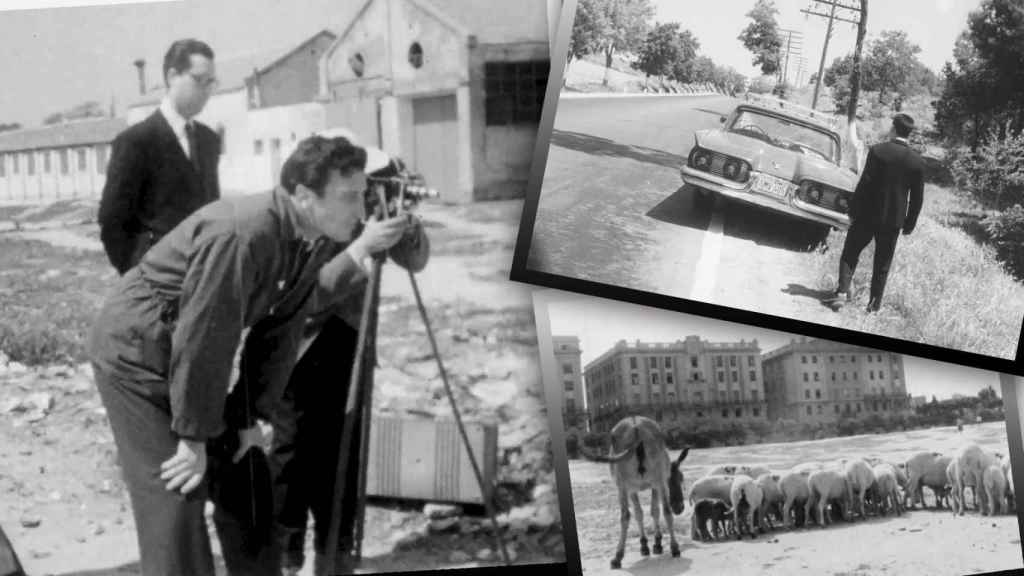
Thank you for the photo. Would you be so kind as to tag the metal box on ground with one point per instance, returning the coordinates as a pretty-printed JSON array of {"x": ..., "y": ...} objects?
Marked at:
[{"x": 420, "y": 458}]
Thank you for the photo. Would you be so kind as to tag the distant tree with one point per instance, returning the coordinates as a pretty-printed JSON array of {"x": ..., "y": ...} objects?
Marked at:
[
  {"x": 588, "y": 28},
  {"x": 762, "y": 37},
  {"x": 664, "y": 48},
  {"x": 91, "y": 109},
  {"x": 891, "y": 65},
  {"x": 626, "y": 25},
  {"x": 840, "y": 68},
  {"x": 9, "y": 126},
  {"x": 699, "y": 69}
]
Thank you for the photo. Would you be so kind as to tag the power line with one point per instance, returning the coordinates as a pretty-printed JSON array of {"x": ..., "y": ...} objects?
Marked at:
[{"x": 833, "y": 5}]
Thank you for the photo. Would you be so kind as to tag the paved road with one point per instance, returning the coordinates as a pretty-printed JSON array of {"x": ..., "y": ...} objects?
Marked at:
[{"x": 613, "y": 209}]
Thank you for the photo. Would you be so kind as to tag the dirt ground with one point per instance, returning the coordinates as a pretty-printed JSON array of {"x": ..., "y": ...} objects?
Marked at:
[
  {"x": 920, "y": 542},
  {"x": 64, "y": 507}
]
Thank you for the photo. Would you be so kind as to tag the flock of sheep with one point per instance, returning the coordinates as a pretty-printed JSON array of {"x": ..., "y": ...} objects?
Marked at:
[
  {"x": 735, "y": 499},
  {"x": 738, "y": 499}
]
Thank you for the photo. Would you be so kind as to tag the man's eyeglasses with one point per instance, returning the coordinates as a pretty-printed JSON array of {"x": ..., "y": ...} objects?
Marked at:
[{"x": 204, "y": 81}]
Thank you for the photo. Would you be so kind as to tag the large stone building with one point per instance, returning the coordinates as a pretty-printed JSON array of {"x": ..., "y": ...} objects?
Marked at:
[
  {"x": 570, "y": 381},
  {"x": 684, "y": 381},
  {"x": 811, "y": 380}
]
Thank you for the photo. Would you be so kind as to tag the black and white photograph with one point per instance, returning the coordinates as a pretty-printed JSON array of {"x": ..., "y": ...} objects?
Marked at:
[
  {"x": 255, "y": 314},
  {"x": 847, "y": 166},
  {"x": 699, "y": 446}
]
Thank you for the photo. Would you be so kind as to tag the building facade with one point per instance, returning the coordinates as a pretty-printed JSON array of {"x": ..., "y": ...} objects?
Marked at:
[
  {"x": 810, "y": 380},
  {"x": 454, "y": 91},
  {"x": 570, "y": 381},
  {"x": 57, "y": 162},
  {"x": 679, "y": 382}
]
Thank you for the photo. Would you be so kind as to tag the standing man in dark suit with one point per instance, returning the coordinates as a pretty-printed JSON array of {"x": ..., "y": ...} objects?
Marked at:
[
  {"x": 165, "y": 167},
  {"x": 887, "y": 200}
]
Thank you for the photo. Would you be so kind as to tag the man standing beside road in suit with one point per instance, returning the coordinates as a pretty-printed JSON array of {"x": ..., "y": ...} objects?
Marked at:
[
  {"x": 165, "y": 167},
  {"x": 887, "y": 200}
]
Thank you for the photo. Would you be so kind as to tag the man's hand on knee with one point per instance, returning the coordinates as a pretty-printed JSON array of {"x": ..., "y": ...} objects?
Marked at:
[{"x": 185, "y": 470}]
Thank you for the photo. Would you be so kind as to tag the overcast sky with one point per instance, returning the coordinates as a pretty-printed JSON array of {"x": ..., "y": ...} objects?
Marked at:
[
  {"x": 56, "y": 58},
  {"x": 600, "y": 323},
  {"x": 931, "y": 24}
]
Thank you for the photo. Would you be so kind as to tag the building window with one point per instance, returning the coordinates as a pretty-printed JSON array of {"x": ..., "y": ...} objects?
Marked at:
[
  {"x": 817, "y": 393},
  {"x": 654, "y": 378},
  {"x": 3, "y": 165},
  {"x": 47, "y": 162},
  {"x": 700, "y": 414},
  {"x": 817, "y": 377},
  {"x": 805, "y": 377},
  {"x": 568, "y": 385},
  {"x": 31, "y": 163},
  {"x": 81, "y": 159},
  {"x": 855, "y": 376},
  {"x": 735, "y": 395},
  {"x": 636, "y": 398},
  {"x": 515, "y": 91},
  {"x": 753, "y": 376},
  {"x": 833, "y": 376},
  {"x": 670, "y": 397},
  {"x": 807, "y": 394},
  {"x": 275, "y": 145},
  {"x": 844, "y": 377},
  {"x": 753, "y": 395},
  {"x": 696, "y": 376},
  {"x": 739, "y": 412},
  {"x": 721, "y": 376},
  {"x": 570, "y": 405},
  {"x": 831, "y": 359},
  {"x": 853, "y": 358},
  {"x": 652, "y": 362},
  {"x": 632, "y": 362},
  {"x": 698, "y": 396},
  {"x": 814, "y": 359},
  {"x": 809, "y": 411},
  {"x": 750, "y": 360},
  {"x": 820, "y": 408},
  {"x": 803, "y": 359},
  {"x": 725, "y": 413},
  {"x": 732, "y": 360},
  {"x": 655, "y": 397},
  {"x": 757, "y": 411},
  {"x": 879, "y": 357},
  {"x": 735, "y": 376},
  {"x": 257, "y": 147},
  {"x": 693, "y": 361},
  {"x": 14, "y": 163},
  {"x": 668, "y": 361},
  {"x": 869, "y": 358},
  {"x": 668, "y": 378},
  {"x": 881, "y": 375},
  {"x": 634, "y": 379},
  {"x": 718, "y": 361},
  {"x": 858, "y": 407},
  {"x": 566, "y": 368}
]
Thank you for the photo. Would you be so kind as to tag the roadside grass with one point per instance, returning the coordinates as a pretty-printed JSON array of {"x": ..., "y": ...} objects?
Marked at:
[
  {"x": 944, "y": 288},
  {"x": 48, "y": 299}
]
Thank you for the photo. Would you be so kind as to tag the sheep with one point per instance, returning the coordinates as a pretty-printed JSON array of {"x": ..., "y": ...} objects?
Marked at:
[
  {"x": 926, "y": 469},
  {"x": 826, "y": 486},
  {"x": 860, "y": 477},
  {"x": 746, "y": 497},
  {"x": 772, "y": 500},
  {"x": 705, "y": 510},
  {"x": 994, "y": 480},
  {"x": 885, "y": 488},
  {"x": 795, "y": 492},
  {"x": 736, "y": 469},
  {"x": 972, "y": 462}
]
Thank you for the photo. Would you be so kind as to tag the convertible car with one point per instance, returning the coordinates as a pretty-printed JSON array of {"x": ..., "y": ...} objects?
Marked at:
[{"x": 776, "y": 155}]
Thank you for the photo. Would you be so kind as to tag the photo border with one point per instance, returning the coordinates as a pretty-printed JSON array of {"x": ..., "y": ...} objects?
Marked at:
[
  {"x": 521, "y": 273},
  {"x": 1013, "y": 407}
]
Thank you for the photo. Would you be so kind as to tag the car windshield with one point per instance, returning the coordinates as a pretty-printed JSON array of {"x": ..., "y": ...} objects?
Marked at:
[{"x": 786, "y": 134}]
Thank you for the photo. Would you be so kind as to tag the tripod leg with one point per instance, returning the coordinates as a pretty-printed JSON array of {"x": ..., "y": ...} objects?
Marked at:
[{"x": 353, "y": 407}]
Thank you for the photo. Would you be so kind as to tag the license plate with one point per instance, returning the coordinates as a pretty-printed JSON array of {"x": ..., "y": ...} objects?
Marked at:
[{"x": 771, "y": 185}]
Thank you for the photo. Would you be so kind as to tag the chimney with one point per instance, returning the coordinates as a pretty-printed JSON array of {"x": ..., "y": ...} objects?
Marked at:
[{"x": 141, "y": 65}]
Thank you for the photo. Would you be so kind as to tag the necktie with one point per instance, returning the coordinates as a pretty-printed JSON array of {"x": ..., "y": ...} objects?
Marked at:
[{"x": 193, "y": 145}]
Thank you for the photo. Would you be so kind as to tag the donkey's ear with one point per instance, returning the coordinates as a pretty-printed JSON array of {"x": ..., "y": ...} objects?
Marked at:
[{"x": 682, "y": 455}]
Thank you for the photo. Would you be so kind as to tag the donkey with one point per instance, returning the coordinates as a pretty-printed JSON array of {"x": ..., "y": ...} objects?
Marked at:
[{"x": 639, "y": 460}]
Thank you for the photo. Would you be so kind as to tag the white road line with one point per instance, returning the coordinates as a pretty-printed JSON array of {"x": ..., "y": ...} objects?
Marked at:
[{"x": 706, "y": 271}]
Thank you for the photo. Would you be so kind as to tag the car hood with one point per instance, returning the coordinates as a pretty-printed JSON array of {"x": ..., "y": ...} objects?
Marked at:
[{"x": 787, "y": 164}]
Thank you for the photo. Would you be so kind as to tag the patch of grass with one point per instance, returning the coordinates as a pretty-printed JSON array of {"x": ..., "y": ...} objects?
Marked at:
[
  {"x": 48, "y": 299},
  {"x": 944, "y": 288}
]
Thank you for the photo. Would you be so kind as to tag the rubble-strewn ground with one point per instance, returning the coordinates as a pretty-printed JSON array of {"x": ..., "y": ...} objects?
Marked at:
[
  {"x": 920, "y": 542},
  {"x": 63, "y": 504}
]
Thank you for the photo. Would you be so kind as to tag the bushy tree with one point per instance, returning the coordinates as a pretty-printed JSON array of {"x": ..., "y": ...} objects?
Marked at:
[
  {"x": 762, "y": 37},
  {"x": 626, "y": 25},
  {"x": 588, "y": 29},
  {"x": 665, "y": 48}
]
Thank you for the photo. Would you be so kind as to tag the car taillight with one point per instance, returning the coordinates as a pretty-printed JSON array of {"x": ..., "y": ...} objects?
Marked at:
[
  {"x": 736, "y": 169},
  {"x": 701, "y": 159},
  {"x": 814, "y": 193},
  {"x": 842, "y": 203}
]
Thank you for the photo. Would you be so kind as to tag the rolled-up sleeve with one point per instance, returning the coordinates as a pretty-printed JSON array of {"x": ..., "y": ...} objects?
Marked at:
[{"x": 210, "y": 323}]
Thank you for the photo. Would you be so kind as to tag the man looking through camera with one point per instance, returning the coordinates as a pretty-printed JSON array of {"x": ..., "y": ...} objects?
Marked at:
[{"x": 163, "y": 345}]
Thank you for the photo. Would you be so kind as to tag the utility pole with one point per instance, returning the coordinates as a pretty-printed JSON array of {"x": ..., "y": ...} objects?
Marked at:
[
  {"x": 848, "y": 5},
  {"x": 793, "y": 47}
]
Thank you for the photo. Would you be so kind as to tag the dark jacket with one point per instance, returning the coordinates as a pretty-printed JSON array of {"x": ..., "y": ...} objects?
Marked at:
[
  {"x": 891, "y": 188},
  {"x": 152, "y": 186}
]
